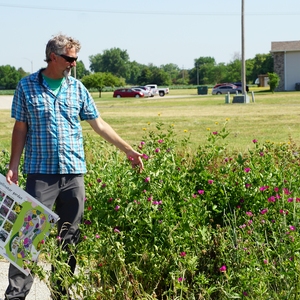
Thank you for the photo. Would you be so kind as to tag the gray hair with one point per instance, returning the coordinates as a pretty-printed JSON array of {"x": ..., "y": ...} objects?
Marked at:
[{"x": 59, "y": 43}]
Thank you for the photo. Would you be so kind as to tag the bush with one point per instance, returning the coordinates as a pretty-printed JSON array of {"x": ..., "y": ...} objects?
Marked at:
[{"x": 214, "y": 224}]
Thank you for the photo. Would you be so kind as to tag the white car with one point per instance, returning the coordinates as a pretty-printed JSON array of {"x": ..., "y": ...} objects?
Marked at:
[
  {"x": 146, "y": 89},
  {"x": 147, "y": 93}
]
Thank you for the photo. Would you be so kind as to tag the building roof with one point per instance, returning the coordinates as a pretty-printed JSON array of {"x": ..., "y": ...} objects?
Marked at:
[{"x": 285, "y": 46}]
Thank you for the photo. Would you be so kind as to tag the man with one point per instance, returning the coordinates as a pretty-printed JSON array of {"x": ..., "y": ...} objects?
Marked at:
[{"x": 47, "y": 106}]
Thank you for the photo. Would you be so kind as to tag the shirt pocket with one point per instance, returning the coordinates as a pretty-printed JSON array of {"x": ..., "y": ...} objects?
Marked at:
[{"x": 38, "y": 107}]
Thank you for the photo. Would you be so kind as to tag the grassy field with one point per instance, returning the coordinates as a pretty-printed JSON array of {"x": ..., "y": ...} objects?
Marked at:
[{"x": 270, "y": 117}]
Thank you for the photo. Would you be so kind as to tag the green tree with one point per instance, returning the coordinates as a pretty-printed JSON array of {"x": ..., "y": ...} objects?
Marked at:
[
  {"x": 202, "y": 68},
  {"x": 9, "y": 76},
  {"x": 159, "y": 77},
  {"x": 260, "y": 64},
  {"x": 174, "y": 72},
  {"x": 233, "y": 71},
  {"x": 145, "y": 76},
  {"x": 81, "y": 70},
  {"x": 135, "y": 71},
  {"x": 273, "y": 81},
  {"x": 114, "y": 61},
  {"x": 100, "y": 80},
  {"x": 217, "y": 73}
]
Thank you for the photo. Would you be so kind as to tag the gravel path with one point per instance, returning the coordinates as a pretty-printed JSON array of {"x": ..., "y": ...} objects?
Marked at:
[
  {"x": 5, "y": 102},
  {"x": 39, "y": 290}
]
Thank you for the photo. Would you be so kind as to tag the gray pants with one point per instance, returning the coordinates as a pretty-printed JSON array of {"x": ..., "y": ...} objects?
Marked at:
[{"x": 64, "y": 193}]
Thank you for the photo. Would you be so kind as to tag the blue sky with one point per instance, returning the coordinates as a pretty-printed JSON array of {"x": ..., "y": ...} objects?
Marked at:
[{"x": 156, "y": 31}]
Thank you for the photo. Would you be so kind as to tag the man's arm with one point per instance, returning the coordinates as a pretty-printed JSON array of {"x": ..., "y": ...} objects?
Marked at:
[
  {"x": 17, "y": 145},
  {"x": 108, "y": 133}
]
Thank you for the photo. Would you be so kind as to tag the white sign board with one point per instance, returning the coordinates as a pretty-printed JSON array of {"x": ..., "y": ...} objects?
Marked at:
[{"x": 25, "y": 223}]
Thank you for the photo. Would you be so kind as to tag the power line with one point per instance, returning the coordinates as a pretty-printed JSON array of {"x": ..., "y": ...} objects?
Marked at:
[{"x": 149, "y": 12}]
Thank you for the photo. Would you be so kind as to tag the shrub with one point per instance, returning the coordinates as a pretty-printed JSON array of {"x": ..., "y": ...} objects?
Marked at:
[{"x": 214, "y": 224}]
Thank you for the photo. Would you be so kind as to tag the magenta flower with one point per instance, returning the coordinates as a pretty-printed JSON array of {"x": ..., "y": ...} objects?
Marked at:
[
  {"x": 276, "y": 189},
  {"x": 144, "y": 156},
  {"x": 264, "y": 211},
  {"x": 200, "y": 192},
  {"x": 142, "y": 143},
  {"x": 117, "y": 207},
  {"x": 99, "y": 180},
  {"x": 247, "y": 185},
  {"x": 215, "y": 132},
  {"x": 261, "y": 153},
  {"x": 180, "y": 279},
  {"x": 286, "y": 191},
  {"x": 210, "y": 181},
  {"x": 97, "y": 236},
  {"x": 271, "y": 199},
  {"x": 263, "y": 188},
  {"x": 292, "y": 228},
  {"x": 249, "y": 213},
  {"x": 116, "y": 230},
  {"x": 147, "y": 179},
  {"x": 182, "y": 254},
  {"x": 290, "y": 200},
  {"x": 254, "y": 141},
  {"x": 160, "y": 141},
  {"x": 157, "y": 150},
  {"x": 223, "y": 269},
  {"x": 247, "y": 170}
]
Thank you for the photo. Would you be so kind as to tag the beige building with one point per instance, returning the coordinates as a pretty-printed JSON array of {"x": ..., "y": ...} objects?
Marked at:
[{"x": 287, "y": 64}]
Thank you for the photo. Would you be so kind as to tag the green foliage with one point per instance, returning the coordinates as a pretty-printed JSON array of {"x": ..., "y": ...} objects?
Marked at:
[
  {"x": 9, "y": 77},
  {"x": 214, "y": 224},
  {"x": 81, "y": 70},
  {"x": 114, "y": 61},
  {"x": 260, "y": 64},
  {"x": 100, "y": 80},
  {"x": 273, "y": 81}
]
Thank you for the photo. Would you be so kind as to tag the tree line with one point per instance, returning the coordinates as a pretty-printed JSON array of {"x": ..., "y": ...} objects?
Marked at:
[{"x": 114, "y": 68}]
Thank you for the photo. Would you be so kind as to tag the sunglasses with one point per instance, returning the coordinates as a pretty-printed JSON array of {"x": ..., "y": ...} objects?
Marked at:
[{"x": 69, "y": 59}]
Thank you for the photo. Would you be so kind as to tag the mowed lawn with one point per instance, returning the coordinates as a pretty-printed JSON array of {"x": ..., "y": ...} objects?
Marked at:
[{"x": 268, "y": 117}]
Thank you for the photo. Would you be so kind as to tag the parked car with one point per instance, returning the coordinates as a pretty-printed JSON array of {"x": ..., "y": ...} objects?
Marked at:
[
  {"x": 147, "y": 93},
  {"x": 120, "y": 93},
  {"x": 144, "y": 88},
  {"x": 219, "y": 84},
  {"x": 157, "y": 90},
  {"x": 224, "y": 89},
  {"x": 239, "y": 85}
]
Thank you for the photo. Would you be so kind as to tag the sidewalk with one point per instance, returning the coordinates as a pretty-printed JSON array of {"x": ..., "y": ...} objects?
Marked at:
[
  {"x": 39, "y": 290},
  {"x": 5, "y": 102}
]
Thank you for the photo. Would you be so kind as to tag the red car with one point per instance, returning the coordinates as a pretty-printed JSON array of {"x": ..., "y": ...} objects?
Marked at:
[{"x": 120, "y": 93}]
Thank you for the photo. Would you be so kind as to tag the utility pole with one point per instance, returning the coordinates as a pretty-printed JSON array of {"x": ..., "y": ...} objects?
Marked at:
[
  {"x": 197, "y": 74},
  {"x": 243, "y": 52}
]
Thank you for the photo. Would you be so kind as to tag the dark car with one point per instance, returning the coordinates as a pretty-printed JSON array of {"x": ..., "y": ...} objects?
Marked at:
[
  {"x": 120, "y": 93},
  {"x": 225, "y": 88},
  {"x": 239, "y": 85}
]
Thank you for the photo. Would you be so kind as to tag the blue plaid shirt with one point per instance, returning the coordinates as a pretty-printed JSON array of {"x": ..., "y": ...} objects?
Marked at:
[{"x": 54, "y": 143}]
